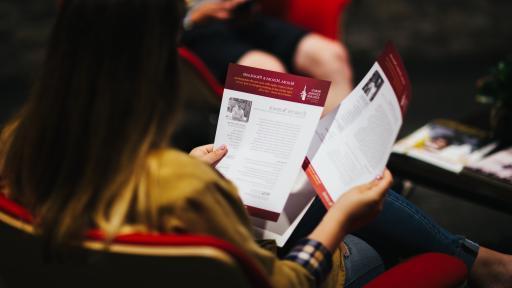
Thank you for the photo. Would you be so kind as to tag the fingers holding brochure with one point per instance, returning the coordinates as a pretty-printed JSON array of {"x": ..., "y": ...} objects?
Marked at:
[
  {"x": 353, "y": 210},
  {"x": 208, "y": 154},
  {"x": 383, "y": 181},
  {"x": 361, "y": 204}
]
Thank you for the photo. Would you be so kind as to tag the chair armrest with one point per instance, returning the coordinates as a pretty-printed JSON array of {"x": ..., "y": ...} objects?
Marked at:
[
  {"x": 428, "y": 270},
  {"x": 202, "y": 70}
]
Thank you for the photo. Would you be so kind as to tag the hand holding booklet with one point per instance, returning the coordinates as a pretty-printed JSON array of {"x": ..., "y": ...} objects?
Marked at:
[{"x": 271, "y": 124}]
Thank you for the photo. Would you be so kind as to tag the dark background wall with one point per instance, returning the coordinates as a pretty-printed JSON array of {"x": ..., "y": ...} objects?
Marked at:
[
  {"x": 24, "y": 27},
  {"x": 446, "y": 46},
  {"x": 439, "y": 40},
  {"x": 432, "y": 30}
]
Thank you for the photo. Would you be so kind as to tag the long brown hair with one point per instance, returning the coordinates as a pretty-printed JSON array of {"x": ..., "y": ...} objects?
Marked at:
[{"x": 106, "y": 97}]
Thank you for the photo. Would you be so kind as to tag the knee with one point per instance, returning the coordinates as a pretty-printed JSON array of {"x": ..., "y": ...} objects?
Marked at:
[
  {"x": 335, "y": 62},
  {"x": 323, "y": 57},
  {"x": 263, "y": 60}
]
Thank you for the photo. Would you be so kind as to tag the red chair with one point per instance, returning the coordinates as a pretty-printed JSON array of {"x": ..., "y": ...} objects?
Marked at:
[
  {"x": 424, "y": 271},
  {"x": 323, "y": 17},
  {"x": 145, "y": 260},
  {"x": 134, "y": 260}
]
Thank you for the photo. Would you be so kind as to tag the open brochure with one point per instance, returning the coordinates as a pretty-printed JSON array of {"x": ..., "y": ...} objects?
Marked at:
[
  {"x": 446, "y": 144},
  {"x": 350, "y": 146},
  {"x": 267, "y": 120}
]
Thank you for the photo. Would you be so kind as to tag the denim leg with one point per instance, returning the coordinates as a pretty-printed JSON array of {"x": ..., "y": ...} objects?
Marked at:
[
  {"x": 404, "y": 229},
  {"x": 400, "y": 231},
  {"x": 362, "y": 262}
]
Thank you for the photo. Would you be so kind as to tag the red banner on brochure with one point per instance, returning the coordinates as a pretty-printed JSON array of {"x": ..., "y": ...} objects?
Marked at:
[
  {"x": 262, "y": 213},
  {"x": 391, "y": 63},
  {"x": 277, "y": 85},
  {"x": 317, "y": 184}
]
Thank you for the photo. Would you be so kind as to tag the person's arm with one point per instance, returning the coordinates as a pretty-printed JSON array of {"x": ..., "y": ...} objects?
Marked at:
[
  {"x": 213, "y": 207},
  {"x": 207, "y": 10},
  {"x": 352, "y": 210}
]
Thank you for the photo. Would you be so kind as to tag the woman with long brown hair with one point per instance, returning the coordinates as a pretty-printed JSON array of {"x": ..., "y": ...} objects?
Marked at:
[{"x": 90, "y": 149}]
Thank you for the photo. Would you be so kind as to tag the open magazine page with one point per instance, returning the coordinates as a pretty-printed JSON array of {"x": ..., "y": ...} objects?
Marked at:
[
  {"x": 357, "y": 146},
  {"x": 446, "y": 144},
  {"x": 267, "y": 120}
]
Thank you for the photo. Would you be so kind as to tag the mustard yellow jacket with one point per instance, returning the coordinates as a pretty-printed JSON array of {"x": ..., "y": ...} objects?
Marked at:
[{"x": 189, "y": 196}]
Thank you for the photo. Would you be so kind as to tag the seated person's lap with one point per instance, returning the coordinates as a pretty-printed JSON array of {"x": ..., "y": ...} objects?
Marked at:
[{"x": 219, "y": 43}]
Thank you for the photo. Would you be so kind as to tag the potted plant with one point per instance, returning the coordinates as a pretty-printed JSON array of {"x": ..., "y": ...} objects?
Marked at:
[{"x": 495, "y": 90}]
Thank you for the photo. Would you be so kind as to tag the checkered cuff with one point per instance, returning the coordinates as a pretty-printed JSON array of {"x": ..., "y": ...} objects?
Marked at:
[{"x": 313, "y": 256}]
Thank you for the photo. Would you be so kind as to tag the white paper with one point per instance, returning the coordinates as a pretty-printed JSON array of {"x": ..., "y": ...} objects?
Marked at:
[
  {"x": 358, "y": 143},
  {"x": 267, "y": 138},
  {"x": 300, "y": 198}
]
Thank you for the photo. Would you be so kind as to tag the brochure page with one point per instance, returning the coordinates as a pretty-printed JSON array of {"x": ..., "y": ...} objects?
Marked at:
[
  {"x": 298, "y": 202},
  {"x": 356, "y": 146},
  {"x": 267, "y": 120},
  {"x": 300, "y": 198}
]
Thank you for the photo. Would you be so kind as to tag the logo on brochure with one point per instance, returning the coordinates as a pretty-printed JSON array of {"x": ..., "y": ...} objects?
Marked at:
[
  {"x": 303, "y": 94},
  {"x": 312, "y": 96}
]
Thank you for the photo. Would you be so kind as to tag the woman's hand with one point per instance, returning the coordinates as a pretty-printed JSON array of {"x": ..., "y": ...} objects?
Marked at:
[
  {"x": 207, "y": 154},
  {"x": 220, "y": 10},
  {"x": 352, "y": 210},
  {"x": 361, "y": 204}
]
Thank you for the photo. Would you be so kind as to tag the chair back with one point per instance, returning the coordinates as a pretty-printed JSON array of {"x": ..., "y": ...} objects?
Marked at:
[
  {"x": 323, "y": 17},
  {"x": 135, "y": 260}
]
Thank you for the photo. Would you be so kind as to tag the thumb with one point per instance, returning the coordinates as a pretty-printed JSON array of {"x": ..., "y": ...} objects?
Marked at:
[
  {"x": 380, "y": 186},
  {"x": 216, "y": 155}
]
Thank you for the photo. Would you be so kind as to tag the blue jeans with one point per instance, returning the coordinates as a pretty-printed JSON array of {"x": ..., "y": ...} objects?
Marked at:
[
  {"x": 362, "y": 262},
  {"x": 400, "y": 231}
]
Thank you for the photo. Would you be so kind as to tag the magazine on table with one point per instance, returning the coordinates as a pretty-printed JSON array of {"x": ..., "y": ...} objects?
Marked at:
[
  {"x": 347, "y": 147},
  {"x": 497, "y": 166},
  {"x": 446, "y": 144}
]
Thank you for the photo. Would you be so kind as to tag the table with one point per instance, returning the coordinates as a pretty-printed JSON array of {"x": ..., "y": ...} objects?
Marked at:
[{"x": 467, "y": 184}]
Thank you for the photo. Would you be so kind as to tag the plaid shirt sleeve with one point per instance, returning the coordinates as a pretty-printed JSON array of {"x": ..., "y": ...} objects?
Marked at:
[{"x": 313, "y": 256}]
